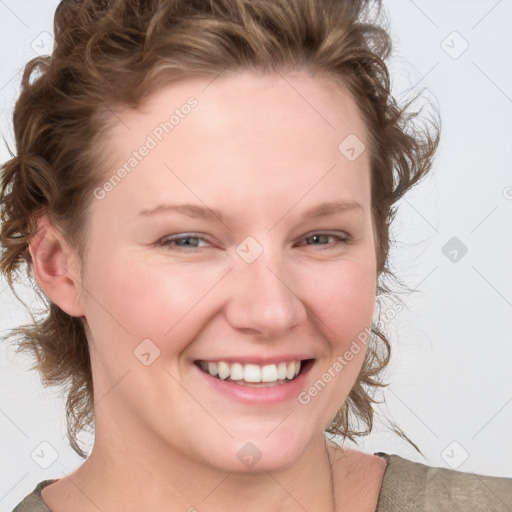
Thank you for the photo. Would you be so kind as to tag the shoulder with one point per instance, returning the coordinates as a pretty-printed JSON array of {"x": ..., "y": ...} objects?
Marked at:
[
  {"x": 33, "y": 502},
  {"x": 416, "y": 487}
]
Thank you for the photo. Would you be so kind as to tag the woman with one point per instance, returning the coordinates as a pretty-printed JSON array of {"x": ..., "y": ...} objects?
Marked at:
[{"x": 203, "y": 192}]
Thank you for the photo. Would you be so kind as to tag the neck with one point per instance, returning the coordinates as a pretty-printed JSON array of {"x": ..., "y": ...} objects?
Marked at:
[{"x": 172, "y": 480}]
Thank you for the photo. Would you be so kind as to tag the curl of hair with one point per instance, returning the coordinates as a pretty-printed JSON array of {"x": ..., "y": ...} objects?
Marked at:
[{"x": 112, "y": 54}]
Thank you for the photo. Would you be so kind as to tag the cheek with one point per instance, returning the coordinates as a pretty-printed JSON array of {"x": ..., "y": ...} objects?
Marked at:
[
  {"x": 344, "y": 301},
  {"x": 133, "y": 300}
]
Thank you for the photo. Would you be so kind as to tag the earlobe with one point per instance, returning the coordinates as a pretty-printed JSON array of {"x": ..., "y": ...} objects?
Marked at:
[{"x": 55, "y": 269}]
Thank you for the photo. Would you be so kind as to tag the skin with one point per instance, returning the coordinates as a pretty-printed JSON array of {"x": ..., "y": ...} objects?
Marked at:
[{"x": 256, "y": 150}]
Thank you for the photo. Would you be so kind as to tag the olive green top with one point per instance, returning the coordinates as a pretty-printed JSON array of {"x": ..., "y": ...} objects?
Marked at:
[{"x": 407, "y": 487}]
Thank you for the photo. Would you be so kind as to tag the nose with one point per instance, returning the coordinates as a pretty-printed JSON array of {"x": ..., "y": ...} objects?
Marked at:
[{"x": 264, "y": 298}]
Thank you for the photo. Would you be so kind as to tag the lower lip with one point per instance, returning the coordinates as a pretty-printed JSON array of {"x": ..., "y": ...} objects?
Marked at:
[{"x": 257, "y": 395}]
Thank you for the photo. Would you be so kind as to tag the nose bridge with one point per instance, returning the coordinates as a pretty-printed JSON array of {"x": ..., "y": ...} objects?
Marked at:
[{"x": 264, "y": 301}]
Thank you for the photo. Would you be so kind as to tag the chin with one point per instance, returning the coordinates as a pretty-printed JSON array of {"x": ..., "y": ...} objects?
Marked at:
[{"x": 256, "y": 450}]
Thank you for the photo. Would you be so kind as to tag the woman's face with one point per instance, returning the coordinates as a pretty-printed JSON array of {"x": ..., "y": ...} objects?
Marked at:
[{"x": 262, "y": 282}]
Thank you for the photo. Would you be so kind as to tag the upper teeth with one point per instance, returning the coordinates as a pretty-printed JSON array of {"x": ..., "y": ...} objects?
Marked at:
[{"x": 252, "y": 372}]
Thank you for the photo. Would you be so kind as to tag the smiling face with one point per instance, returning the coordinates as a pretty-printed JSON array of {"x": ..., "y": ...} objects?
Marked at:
[{"x": 274, "y": 276}]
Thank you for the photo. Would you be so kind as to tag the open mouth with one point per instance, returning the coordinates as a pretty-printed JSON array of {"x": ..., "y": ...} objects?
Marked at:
[{"x": 254, "y": 375}]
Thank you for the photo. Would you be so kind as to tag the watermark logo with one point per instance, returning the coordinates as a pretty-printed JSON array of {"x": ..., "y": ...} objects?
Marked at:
[
  {"x": 352, "y": 147},
  {"x": 249, "y": 249},
  {"x": 454, "y": 45},
  {"x": 44, "y": 455},
  {"x": 454, "y": 455},
  {"x": 454, "y": 249},
  {"x": 146, "y": 352},
  {"x": 249, "y": 454},
  {"x": 43, "y": 43}
]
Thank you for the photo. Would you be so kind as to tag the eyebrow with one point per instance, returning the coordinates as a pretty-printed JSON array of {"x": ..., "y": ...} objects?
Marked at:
[{"x": 211, "y": 214}]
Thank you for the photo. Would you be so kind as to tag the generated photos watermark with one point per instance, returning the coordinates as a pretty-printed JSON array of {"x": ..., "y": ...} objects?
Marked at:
[
  {"x": 342, "y": 360},
  {"x": 156, "y": 136}
]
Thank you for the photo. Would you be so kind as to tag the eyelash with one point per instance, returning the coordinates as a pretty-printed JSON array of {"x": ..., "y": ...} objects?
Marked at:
[{"x": 168, "y": 241}]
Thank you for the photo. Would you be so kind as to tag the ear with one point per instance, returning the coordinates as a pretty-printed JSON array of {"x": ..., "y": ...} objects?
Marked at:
[{"x": 56, "y": 268}]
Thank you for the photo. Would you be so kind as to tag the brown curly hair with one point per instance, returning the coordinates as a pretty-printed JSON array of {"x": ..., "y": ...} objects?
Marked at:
[{"x": 115, "y": 53}]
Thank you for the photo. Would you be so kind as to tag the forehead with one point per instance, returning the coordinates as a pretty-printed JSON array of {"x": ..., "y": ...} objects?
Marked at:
[
  {"x": 250, "y": 134},
  {"x": 274, "y": 103},
  {"x": 228, "y": 99}
]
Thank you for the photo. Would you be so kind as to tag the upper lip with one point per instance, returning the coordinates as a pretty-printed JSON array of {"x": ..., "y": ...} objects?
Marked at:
[{"x": 259, "y": 360}]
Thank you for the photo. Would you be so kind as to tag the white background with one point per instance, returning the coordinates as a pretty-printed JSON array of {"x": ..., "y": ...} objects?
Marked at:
[{"x": 450, "y": 380}]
